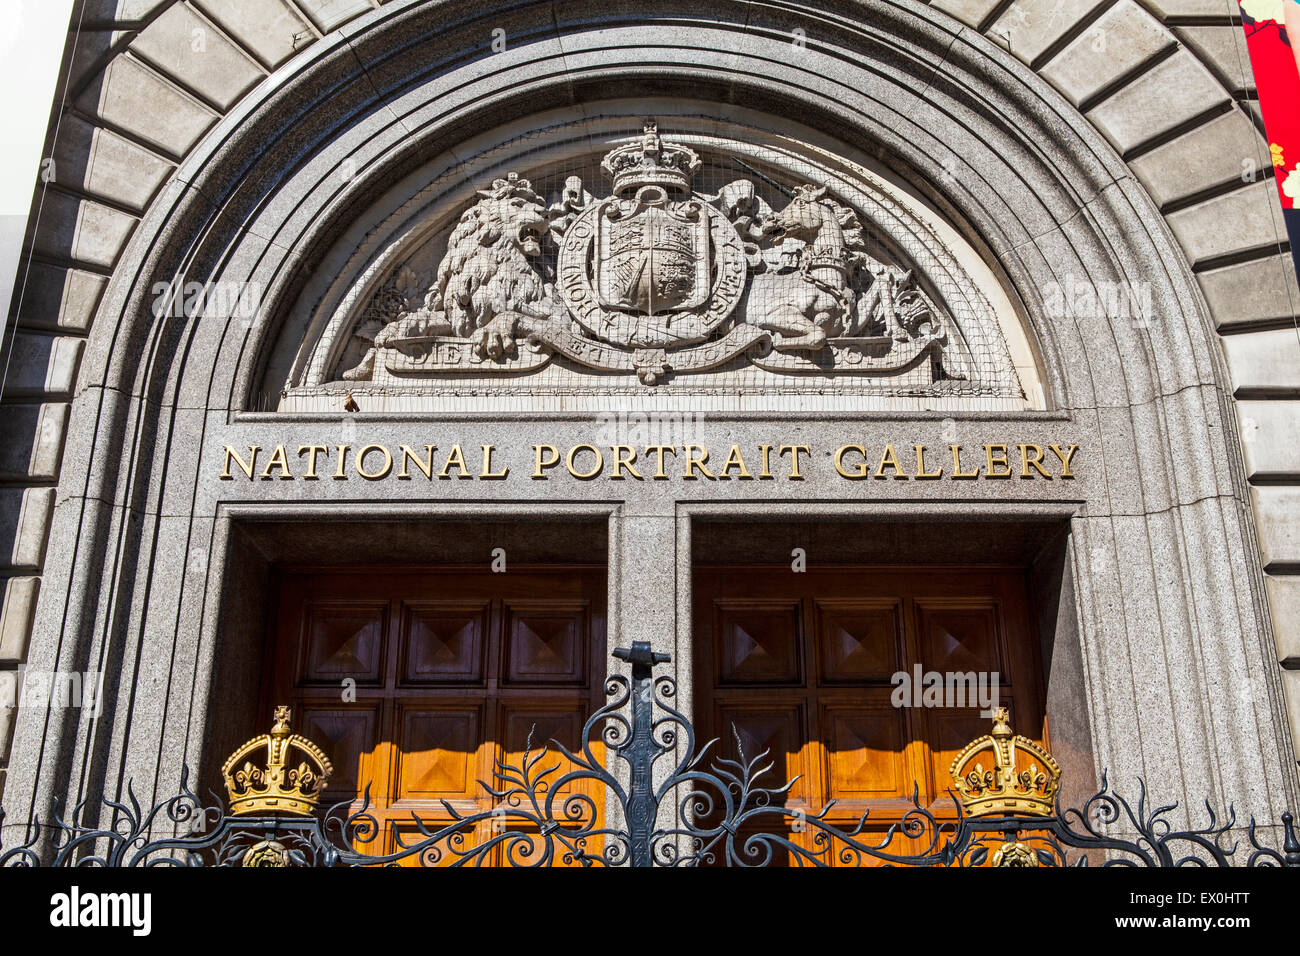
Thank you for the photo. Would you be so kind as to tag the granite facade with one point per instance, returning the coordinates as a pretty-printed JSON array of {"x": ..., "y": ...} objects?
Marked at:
[{"x": 127, "y": 555}]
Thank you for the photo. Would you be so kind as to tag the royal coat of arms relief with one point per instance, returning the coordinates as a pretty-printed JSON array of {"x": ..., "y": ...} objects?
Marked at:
[{"x": 657, "y": 280}]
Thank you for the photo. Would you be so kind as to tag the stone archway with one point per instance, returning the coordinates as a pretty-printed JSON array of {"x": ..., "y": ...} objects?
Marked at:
[{"x": 1031, "y": 178}]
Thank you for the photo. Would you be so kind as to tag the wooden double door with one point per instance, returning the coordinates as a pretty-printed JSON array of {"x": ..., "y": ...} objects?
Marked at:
[
  {"x": 804, "y": 665},
  {"x": 418, "y": 681}
]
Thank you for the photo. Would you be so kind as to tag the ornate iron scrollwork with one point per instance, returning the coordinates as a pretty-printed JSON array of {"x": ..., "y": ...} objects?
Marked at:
[{"x": 696, "y": 809}]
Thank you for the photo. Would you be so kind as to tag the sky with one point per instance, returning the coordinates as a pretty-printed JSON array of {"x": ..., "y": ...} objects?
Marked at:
[{"x": 32, "y": 37}]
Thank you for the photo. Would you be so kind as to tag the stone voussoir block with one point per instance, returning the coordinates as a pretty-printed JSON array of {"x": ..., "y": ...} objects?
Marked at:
[
  {"x": 43, "y": 364},
  {"x": 1291, "y": 689},
  {"x": 121, "y": 12},
  {"x": 273, "y": 30},
  {"x": 8, "y": 708},
  {"x": 1284, "y": 601},
  {"x": 1221, "y": 47},
  {"x": 16, "y": 616},
  {"x": 1259, "y": 290},
  {"x": 1121, "y": 40},
  {"x": 1029, "y": 27},
  {"x": 970, "y": 12},
  {"x": 329, "y": 14},
  {"x": 193, "y": 53},
  {"x": 1158, "y": 101},
  {"x": 83, "y": 230},
  {"x": 1264, "y": 363},
  {"x": 137, "y": 99},
  {"x": 25, "y": 525},
  {"x": 1226, "y": 150},
  {"x": 1238, "y": 222},
  {"x": 33, "y": 441},
  {"x": 101, "y": 163},
  {"x": 57, "y": 297},
  {"x": 1277, "y": 516},
  {"x": 1270, "y": 438},
  {"x": 1200, "y": 9}
]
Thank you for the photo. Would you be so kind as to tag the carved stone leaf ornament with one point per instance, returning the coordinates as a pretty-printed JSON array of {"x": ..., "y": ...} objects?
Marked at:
[{"x": 656, "y": 280}]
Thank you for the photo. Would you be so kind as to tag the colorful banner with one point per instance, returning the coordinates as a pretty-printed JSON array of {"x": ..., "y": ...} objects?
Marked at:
[{"x": 1273, "y": 38}]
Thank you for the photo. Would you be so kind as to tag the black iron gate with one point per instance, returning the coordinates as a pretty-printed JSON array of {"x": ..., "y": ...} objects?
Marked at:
[{"x": 673, "y": 805}]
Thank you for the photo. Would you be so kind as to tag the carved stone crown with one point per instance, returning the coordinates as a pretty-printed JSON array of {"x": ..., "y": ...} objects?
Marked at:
[
  {"x": 651, "y": 162},
  {"x": 275, "y": 785},
  {"x": 1024, "y": 777}
]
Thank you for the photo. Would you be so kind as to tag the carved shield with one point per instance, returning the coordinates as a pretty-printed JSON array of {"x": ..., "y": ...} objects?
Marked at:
[{"x": 652, "y": 258}]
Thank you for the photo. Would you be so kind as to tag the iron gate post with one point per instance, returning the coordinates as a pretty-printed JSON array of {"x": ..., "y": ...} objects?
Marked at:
[{"x": 639, "y": 750}]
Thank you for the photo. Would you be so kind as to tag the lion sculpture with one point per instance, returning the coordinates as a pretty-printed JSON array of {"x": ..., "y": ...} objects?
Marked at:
[{"x": 485, "y": 280}]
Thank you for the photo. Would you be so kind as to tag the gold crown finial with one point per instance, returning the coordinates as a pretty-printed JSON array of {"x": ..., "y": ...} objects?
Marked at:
[
  {"x": 275, "y": 786},
  {"x": 1023, "y": 779},
  {"x": 1001, "y": 723},
  {"x": 281, "y": 726}
]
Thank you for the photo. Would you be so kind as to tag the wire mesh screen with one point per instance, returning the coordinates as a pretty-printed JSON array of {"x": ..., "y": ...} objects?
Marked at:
[{"x": 680, "y": 260}]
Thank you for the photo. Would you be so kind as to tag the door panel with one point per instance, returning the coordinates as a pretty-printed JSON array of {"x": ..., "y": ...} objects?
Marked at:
[
  {"x": 444, "y": 643},
  {"x": 759, "y": 642},
  {"x": 861, "y": 641},
  {"x": 801, "y": 665},
  {"x": 418, "y": 681},
  {"x": 344, "y": 639}
]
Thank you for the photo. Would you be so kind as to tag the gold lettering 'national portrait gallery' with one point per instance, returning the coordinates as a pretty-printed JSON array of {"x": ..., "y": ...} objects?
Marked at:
[{"x": 689, "y": 462}]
